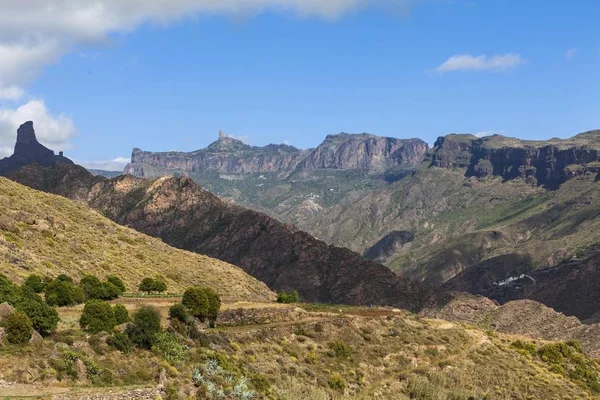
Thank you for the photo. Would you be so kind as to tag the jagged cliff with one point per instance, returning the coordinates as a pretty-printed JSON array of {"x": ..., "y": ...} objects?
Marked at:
[
  {"x": 28, "y": 150},
  {"x": 549, "y": 163},
  {"x": 231, "y": 156}
]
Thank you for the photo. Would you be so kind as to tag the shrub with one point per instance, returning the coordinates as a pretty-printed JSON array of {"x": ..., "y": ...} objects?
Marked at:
[
  {"x": 92, "y": 287},
  {"x": 109, "y": 291},
  {"x": 341, "y": 349},
  {"x": 287, "y": 298},
  {"x": 120, "y": 341},
  {"x": 64, "y": 278},
  {"x": 97, "y": 316},
  {"x": 118, "y": 282},
  {"x": 35, "y": 282},
  {"x": 145, "y": 327},
  {"x": 44, "y": 318},
  {"x": 62, "y": 292},
  {"x": 178, "y": 312},
  {"x": 18, "y": 327},
  {"x": 168, "y": 347},
  {"x": 121, "y": 314},
  {"x": 336, "y": 382},
  {"x": 8, "y": 291}
]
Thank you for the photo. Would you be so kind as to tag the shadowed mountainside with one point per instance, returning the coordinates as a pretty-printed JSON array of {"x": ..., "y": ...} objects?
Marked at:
[{"x": 186, "y": 216}]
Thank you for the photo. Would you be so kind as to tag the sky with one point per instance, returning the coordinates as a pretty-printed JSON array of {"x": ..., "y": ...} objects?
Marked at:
[{"x": 101, "y": 77}]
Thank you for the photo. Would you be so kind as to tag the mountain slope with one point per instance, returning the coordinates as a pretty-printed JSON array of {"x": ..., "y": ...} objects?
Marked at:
[
  {"x": 47, "y": 234},
  {"x": 186, "y": 216}
]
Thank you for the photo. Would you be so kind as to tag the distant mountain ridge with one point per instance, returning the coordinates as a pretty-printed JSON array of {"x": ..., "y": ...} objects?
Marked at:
[{"x": 232, "y": 156}]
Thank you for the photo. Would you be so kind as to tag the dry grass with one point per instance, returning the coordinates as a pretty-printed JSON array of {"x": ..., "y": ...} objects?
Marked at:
[{"x": 49, "y": 235}]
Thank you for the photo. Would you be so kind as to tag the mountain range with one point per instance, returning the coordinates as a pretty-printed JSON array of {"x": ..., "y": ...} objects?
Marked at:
[
  {"x": 497, "y": 216},
  {"x": 500, "y": 217}
]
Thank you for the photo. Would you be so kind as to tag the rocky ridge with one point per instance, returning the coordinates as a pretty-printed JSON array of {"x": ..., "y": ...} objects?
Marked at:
[
  {"x": 231, "y": 156},
  {"x": 28, "y": 150}
]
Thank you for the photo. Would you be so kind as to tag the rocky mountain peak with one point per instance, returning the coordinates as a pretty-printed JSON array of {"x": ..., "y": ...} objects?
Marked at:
[{"x": 28, "y": 150}]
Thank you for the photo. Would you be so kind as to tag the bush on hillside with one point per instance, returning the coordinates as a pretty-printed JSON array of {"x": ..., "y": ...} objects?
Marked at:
[
  {"x": 35, "y": 282},
  {"x": 118, "y": 282},
  {"x": 63, "y": 292},
  {"x": 92, "y": 287},
  {"x": 8, "y": 291},
  {"x": 97, "y": 316},
  {"x": 146, "y": 325},
  {"x": 203, "y": 303},
  {"x": 120, "y": 341},
  {"x": 178, "y": 312},
  {"x": 121, "y": 314},
  {"x": 110, "y": 291},
  {"x": 287, "y": 298},
  {"x": 43, "y": 317},
  {"x": 168, "y": 347},
  {"x": 18, "y": 327}
]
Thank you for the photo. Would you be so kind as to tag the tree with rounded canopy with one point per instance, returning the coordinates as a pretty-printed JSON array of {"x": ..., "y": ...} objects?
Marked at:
[
  {"x": 61, "y": 292},
  {"x": 118, "y": 282},
  {"x": 44, "y": 318},
  {"x": 203, "y": 303},
  {"x": 98, "y": 316},
  {"x": 145, "y": 327},
  {"x": 35, "y": 282},
  {"x": 92, "y": 287},
  {"x": 18, "y": 327},
  {"x": 121, "y": 314},
  {"x": 152, "y": 285}
]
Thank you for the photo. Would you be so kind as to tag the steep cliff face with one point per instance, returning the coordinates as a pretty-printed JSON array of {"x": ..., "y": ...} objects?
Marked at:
[
  {"x": 365, "y": 152},
  {"x": 29, "y": 150},
  {"x": 549, "y": 163},
  {"x": 231, "y": 156},
  {"x": 226, "y": 155}
]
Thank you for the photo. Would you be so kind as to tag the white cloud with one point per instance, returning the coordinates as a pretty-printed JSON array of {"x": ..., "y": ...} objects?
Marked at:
[
  {"x": 467, "y": 62},
  {"x": 11, "y": 93},
  {"x": 34, "y": 33},
  {"x": 570, "y": 54},
  {"x": 118, "y": 164},
  {"x": 53, "y": 131}
]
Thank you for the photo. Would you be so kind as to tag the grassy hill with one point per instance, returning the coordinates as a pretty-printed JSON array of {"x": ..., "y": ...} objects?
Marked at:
[{"x": 49, "y": 235}]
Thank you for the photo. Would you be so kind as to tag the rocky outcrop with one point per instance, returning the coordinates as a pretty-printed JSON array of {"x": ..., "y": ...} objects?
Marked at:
[
  {"x": 365, "y": 152},
  {"x": 549, "y": 163},
  {"x": 231, "y": 156},
  {"x": 28, "y": 150},
  {"x": 226, "y": 155}
]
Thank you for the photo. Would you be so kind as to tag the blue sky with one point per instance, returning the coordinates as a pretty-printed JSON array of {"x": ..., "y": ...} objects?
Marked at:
[{"x": 169, "y": 79}]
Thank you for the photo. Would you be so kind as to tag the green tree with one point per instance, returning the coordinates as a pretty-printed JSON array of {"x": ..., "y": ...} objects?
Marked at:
[
  {"x": 92, "y": 287},
  {"x": 18, "y": 327},
  {"x": 98, "y": 316},
  {"x": 178, "y": 312},
  {"x": 61, "y": 292},
  {"x": 118, "y": 282},
  {"x": 214, "y": 305},
  {"x": 147, "y": 285},
  {"x": 109, "y": 291},
  {"x": 160, "y": 285},
  {"x": 146, "y": 325},
  {"x": 35, "y": 282},
  {"x": 287, "y": 298},
  {"x": 121, "y": 314},
  {"x": 196, "y": 302},
  {"x": 120, "y": 341},
  {"x": 43, "y": 317},
  {"x": 8, "y": 291},
  {"x": 203, "y": 303},
  {"x": 64, "y": 278}
]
